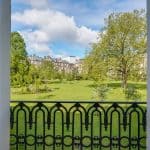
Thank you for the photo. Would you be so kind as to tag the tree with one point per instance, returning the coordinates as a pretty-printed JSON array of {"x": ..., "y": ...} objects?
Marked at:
[
  {"x": 46, "y": 70},
  {"x": 19, "y": 60},
  {"x": 34, "y": 74},
  {"x": 94, "y": 65},
  {"x": 121, "y": 46}
]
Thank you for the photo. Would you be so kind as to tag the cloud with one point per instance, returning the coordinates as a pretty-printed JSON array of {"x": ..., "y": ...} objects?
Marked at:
[
  {"x": 47, "y": 26},
  {"x": 40, "y": 4},
  {"x": 36, "y": 42},
  {"x": 93, "y": 12},
  {"x": 45, "y": 22},
  {"x": 86, "y": 36}
]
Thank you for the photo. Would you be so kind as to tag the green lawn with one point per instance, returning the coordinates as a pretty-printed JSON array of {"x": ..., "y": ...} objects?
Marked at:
[{"x": 77, "y": 90}]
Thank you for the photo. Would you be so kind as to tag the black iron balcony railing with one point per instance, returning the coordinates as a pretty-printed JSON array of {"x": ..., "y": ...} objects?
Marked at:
[{"x": 82, "y": 125}]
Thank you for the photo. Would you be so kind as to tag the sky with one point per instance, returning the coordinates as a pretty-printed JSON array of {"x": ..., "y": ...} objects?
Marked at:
[{"x": 62, "y": 28}]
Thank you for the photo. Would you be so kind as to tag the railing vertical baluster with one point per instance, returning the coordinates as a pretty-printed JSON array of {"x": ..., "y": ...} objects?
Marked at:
[
  {"x": 73, "y": 131},
  {"x": 91, "y": 124},
  {"x": 76, "y": 126}
]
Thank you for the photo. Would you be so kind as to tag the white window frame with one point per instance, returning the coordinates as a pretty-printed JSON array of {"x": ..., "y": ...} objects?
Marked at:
[
  {"x": 148, "y": 75},
  {"x": 5, "y": 30}
]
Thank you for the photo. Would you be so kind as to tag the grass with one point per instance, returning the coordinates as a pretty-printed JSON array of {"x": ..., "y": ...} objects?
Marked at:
[{"x": 77, "y": 90}]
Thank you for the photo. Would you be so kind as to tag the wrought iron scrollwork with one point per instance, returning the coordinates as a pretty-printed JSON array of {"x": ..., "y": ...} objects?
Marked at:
[{"x": 77, "y": 125}]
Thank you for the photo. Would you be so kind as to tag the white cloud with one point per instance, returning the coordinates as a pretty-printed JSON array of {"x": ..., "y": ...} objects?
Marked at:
[
  {"x": 38, "y": 3},
  {"x": 36, "y": 42},
  {"x": 71, "y": 59},
  {"x": 92, "y": 13},
  {"x": 40, "y": 47},
  {"x": 86, "y": 35},
  {"x": 34, "y": 3},
  {"x": 49, "y": 26},
  {"x": 46, "y": 20}
]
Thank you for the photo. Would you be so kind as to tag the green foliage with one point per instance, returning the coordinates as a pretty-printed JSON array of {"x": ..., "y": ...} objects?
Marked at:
[
  {"x": 23, "y": 73},
  {"x": 19, "y": 60},
  {"x": 121, "y": 48},
  {"x": 34, "y": 74},
  {"x": 101, "y": 91},
  {"x": 46, "y": 70},
  {"x": 58, "y": 75},
  {"x": 94, "y": 64},
  {"x": 131, "y": 93},
  {"x": 73, "y": 75},
  {"x": 69, "y": 77}
]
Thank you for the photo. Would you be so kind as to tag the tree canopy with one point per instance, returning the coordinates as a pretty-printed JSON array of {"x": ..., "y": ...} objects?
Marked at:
[
  {"x": 19, "y": 59},
  {"x": 121, "y": 47}
]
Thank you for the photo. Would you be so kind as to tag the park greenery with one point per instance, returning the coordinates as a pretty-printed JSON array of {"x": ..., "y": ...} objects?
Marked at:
[
  {"x": 24, "y": 73},
  {"x": 117, "y": 58},
  {"x": 120, "y": 50},
  {"x": 112, "y": 70}
]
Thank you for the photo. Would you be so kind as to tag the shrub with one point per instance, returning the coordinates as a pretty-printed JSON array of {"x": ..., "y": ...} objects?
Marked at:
[
  {"x": 131, "y": 93},
  {"x": 101, "y": 91}
]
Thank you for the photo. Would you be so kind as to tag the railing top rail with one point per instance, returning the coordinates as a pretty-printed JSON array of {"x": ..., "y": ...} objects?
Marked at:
[{"x": 69, "y": 101}]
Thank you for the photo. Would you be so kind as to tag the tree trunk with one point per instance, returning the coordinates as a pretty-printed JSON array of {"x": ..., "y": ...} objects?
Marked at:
[{"x": 124, "y": 80}]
